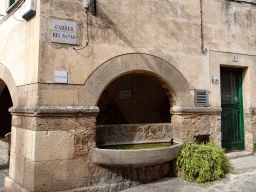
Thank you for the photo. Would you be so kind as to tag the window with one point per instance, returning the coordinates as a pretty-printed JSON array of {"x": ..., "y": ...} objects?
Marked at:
[{"x": 11, "y": 2}]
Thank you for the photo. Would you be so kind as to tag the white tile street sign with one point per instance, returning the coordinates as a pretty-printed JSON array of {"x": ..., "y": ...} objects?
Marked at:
[
  {"x": 60, "y": 77},
  {"x": 64, "y": 31}
]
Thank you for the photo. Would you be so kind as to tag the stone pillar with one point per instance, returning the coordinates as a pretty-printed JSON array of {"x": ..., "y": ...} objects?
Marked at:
[
  {"x": 50, "y": 147},
  {"x": 192, "y": 121}
]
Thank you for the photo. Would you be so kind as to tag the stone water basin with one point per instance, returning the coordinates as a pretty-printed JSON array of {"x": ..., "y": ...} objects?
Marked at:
[{"x": 135, "y": 157}]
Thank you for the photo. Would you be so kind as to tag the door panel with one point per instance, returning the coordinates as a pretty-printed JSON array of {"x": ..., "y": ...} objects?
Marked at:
[{"x": 232, "y": 125}]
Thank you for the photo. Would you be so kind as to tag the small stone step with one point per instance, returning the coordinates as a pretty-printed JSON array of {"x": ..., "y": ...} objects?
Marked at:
[{"x": 238, "y": 154}]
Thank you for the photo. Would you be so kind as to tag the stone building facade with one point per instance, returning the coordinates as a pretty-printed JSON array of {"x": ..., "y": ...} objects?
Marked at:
[{"x": 121, "y": 72}]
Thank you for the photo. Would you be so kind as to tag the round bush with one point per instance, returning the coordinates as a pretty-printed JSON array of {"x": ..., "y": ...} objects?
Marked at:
[{"x": 203, "y": 163}]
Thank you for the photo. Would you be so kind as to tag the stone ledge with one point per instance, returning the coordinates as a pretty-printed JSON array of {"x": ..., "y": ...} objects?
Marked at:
[
  {"x": 195, "y": 110},
  {"x": 54, "y": 110}
]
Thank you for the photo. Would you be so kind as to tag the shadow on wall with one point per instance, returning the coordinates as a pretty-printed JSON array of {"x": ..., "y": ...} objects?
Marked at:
[
  {"x": 6, "y": 117},
  {"x": 134, "y": 98}
]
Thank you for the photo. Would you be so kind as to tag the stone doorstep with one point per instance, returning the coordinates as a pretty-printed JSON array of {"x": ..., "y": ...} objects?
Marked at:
[{"x": 238, "y": 154}]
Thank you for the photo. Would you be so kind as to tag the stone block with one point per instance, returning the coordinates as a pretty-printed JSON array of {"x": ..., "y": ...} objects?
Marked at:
[
  {"x": 53, "y": 123},
  {"x": 22, "y": 142},
  {"x": 11, "y": 186},
  {"x": 58, "y": 97},
  {"x": 249, "y": 146},
  {"x": 25, "y": 122},
  {"x": 42, "y": 145},
  {"x": 56, "y": 175},
  {"x": 16, "y": 170},
  {"x": 51, "y": 145},
  {"x": 47, "y": 123}
]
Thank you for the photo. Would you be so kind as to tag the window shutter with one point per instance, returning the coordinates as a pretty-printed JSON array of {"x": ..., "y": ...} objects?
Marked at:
[
  {"x": 201, "y": 98},
  {"x": 11, "y": 2}
]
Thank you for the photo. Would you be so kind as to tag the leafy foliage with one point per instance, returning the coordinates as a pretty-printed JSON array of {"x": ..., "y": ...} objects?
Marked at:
[
  {"x": 254, "y": 146},
  {"x": 203, "y": 163}
]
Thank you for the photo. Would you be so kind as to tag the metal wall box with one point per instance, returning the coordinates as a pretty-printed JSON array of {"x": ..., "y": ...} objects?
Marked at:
[
  {"x": 28, "y": 9},
  {"x": 201, "y": 98}
]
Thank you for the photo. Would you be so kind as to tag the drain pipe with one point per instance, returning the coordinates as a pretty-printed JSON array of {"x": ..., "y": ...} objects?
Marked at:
[{"x": 202, "y": 35}]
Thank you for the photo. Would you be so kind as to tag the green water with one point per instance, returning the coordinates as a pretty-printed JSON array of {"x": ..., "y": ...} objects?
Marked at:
[{"x": 138, "y": 146}]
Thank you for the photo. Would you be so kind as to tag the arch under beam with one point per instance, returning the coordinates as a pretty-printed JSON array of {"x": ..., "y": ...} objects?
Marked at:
[{"x": 113, "y": 68}]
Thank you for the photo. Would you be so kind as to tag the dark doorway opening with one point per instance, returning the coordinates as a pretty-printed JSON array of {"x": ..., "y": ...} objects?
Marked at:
[
  {"x": 6, "y": 117},
  {"x": 135, "y": 98}
]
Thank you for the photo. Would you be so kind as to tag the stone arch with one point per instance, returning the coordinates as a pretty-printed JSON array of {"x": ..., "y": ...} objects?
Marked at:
[
  {"x": 113, "y": 68},
  {"x": 7, "y": 79}
]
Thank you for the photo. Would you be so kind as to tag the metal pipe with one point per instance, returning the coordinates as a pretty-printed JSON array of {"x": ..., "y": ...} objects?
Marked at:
[
  {"x": 202, "y": 35},
  {"x": 93, "y": 5}
]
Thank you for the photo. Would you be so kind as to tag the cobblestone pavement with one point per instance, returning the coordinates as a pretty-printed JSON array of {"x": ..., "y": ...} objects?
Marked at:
[
  {"x": 243, "y": 180},
  {"x": 4, "y": 172}
]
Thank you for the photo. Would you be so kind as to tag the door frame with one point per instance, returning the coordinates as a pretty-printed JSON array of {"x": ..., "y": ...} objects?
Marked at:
[
  {"x": 219, "y": 59},
  {"x": 239, "y": 72}
]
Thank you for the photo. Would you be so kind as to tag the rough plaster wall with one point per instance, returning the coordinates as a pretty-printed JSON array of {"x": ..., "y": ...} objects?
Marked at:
[
  {"x": 156, "y": 28},
  {"x": 229, "y": 26},
  {"x": 19, "y": 45},
  {"x": 2, "y": 7},
  {"x": 167, "y": 29}
]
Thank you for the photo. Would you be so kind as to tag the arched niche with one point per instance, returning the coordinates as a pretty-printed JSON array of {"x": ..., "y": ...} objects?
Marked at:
[
  {"x": 135, "y": 97},
  {"x": 94, "y": 86}
]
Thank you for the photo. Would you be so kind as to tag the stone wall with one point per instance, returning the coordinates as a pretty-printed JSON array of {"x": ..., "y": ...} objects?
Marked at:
[
  {"x": 133, "y": 133},
  {"x": 190, "y": 122},
  {"x": 186, "y": 124}
]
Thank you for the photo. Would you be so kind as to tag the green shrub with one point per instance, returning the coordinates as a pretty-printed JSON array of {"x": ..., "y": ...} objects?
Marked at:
[
  {"x": 203, "y": 163},
  {"x": 254, "y": 146}
]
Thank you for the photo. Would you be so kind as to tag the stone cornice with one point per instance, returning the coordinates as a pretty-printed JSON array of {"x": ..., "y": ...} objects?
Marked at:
[
  {"x": 54, "y": 110},
  {"x": 196, "y": 110}
]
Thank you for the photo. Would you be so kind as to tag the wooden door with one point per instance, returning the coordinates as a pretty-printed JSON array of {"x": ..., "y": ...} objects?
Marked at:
[{"x": 232, "y": 120}]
